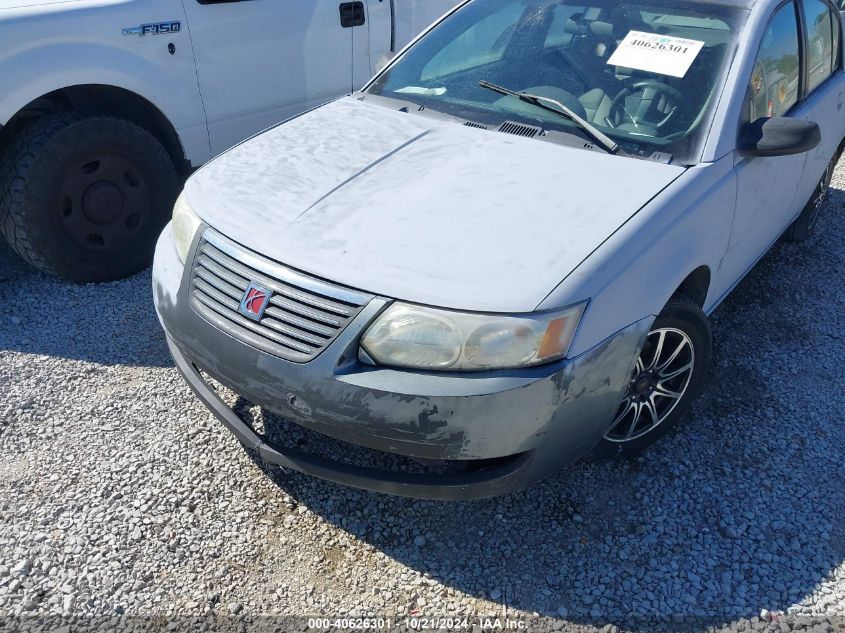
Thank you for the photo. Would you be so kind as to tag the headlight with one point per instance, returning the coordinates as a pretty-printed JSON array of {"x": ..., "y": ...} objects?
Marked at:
[
  {"x": 185, "y": 226},
  {"x": 428, "y": 338}
]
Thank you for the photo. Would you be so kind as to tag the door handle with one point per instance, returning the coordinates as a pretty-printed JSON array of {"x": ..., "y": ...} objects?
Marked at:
[
  {"x": 839, "y": 104},
  {"x": 352, "y": 14}
]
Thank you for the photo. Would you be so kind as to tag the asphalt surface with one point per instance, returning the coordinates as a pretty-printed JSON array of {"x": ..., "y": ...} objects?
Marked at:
[{"x": 121, "y": 496}]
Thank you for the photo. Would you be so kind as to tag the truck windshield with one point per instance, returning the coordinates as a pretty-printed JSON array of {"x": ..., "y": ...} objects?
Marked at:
[{"x": 647, "y": 73}]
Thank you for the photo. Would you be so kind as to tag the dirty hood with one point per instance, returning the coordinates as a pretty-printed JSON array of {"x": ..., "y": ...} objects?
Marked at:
[{"x": 418, "y": 209}]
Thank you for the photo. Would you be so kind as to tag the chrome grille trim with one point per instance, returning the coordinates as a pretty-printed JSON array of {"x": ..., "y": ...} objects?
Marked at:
[
  {"x": 304, "y": 315},
  {"x": 283, "y": 273}
]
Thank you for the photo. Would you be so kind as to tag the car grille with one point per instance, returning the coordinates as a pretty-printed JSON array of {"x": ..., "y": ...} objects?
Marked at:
[{"x": 304, "y": 314}]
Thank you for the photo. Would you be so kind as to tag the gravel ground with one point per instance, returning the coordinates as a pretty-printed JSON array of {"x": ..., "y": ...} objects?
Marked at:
[{"x": 120, "y": 495}]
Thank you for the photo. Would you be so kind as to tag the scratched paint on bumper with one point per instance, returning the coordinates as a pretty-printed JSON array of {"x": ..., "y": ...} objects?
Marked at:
[{"x": 556, "y": 412}]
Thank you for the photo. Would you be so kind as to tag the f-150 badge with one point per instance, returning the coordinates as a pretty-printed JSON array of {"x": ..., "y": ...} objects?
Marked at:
[{"x": 157, "y": 28}]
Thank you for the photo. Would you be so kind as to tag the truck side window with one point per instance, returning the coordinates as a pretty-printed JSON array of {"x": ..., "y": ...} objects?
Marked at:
[{"x": 775, "y": 78}]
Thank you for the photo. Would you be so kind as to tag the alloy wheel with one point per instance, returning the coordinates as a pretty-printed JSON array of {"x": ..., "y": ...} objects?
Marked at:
[{"x": 658, "y": 383}]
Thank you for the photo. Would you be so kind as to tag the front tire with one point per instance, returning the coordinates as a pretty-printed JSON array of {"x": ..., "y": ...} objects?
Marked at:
[
  {"x": 85, "y": 198},
  {"x": 669, "y": 373}
]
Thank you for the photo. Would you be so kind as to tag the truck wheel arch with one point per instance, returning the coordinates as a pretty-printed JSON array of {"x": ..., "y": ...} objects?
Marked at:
[{"x": 102, "y": 99}]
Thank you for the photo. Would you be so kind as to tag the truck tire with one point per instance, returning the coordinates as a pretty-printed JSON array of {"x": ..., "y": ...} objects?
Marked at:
[{"x": 85, "y": 197}]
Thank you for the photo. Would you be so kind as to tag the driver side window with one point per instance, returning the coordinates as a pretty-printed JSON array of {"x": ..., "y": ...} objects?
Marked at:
[{"x": 776, "y": 76}]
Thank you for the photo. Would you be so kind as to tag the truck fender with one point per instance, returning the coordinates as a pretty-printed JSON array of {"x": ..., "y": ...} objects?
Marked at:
[{"x": 35, "y": 71}]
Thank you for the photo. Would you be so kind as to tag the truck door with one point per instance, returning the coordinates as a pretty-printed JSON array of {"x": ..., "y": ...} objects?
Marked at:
[
  {"x": 392, "y": 24},
  {"x": 262, "y": 61},
  {"x": 414, "y": 16}
]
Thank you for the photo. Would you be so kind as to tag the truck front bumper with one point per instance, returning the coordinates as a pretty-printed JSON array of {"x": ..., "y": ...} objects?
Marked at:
[{"x": 508, "y": 427}]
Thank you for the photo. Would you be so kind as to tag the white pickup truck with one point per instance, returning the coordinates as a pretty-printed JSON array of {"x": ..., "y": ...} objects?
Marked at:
[{"x": 107, "y": 104}]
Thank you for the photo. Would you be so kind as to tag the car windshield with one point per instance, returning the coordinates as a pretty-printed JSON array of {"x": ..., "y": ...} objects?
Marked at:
[{"x": 646, "y": 74}]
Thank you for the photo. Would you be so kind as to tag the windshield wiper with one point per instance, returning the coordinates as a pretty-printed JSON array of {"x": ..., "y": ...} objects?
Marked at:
[{"x": 558, "y": 108}]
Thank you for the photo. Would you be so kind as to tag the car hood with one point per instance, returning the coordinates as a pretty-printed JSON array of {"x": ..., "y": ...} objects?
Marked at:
[{"x": 420, "y": 209}]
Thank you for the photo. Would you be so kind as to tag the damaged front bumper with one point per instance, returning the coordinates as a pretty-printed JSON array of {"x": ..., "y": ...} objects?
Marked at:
[{"x": 508, "y": 427}]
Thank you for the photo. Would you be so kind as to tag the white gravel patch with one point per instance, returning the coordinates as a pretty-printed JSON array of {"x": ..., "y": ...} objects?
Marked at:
[{"x": 120, "y": 495}]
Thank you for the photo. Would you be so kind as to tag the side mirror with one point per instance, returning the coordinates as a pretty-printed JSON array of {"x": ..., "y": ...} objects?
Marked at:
[{"x": 779, "y": 136}]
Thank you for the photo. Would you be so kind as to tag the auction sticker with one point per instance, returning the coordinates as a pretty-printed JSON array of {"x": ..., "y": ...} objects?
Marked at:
[{"x": 655, "y": 53}]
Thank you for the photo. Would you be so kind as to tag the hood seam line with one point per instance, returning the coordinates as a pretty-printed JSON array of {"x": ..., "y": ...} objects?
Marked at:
[{"x": 361, "y": 173}]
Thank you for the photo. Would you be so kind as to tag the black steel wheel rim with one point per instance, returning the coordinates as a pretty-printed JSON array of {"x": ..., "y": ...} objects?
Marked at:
[{"x": 104, "y": 201}]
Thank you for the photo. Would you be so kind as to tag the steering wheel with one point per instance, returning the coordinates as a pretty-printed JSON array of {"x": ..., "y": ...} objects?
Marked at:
[{"x": 652, "y": 91}]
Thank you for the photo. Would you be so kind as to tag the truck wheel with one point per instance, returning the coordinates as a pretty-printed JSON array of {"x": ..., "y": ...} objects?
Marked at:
[
  {"x": 667, "y": 376},
  {"x": 803, "y": 226},
  {"x": 85, "y": 198}
]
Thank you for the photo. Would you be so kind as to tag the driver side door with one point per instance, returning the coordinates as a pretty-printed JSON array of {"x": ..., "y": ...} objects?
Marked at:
[{"x": 767, "y": 186}]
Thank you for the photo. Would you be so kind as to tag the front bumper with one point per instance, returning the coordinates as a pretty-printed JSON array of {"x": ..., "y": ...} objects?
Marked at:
[{"x": 527, "y": 422}]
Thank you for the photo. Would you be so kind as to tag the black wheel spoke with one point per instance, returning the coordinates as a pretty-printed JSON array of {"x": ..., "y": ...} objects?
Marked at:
[{"x": 635, "y": 420}]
